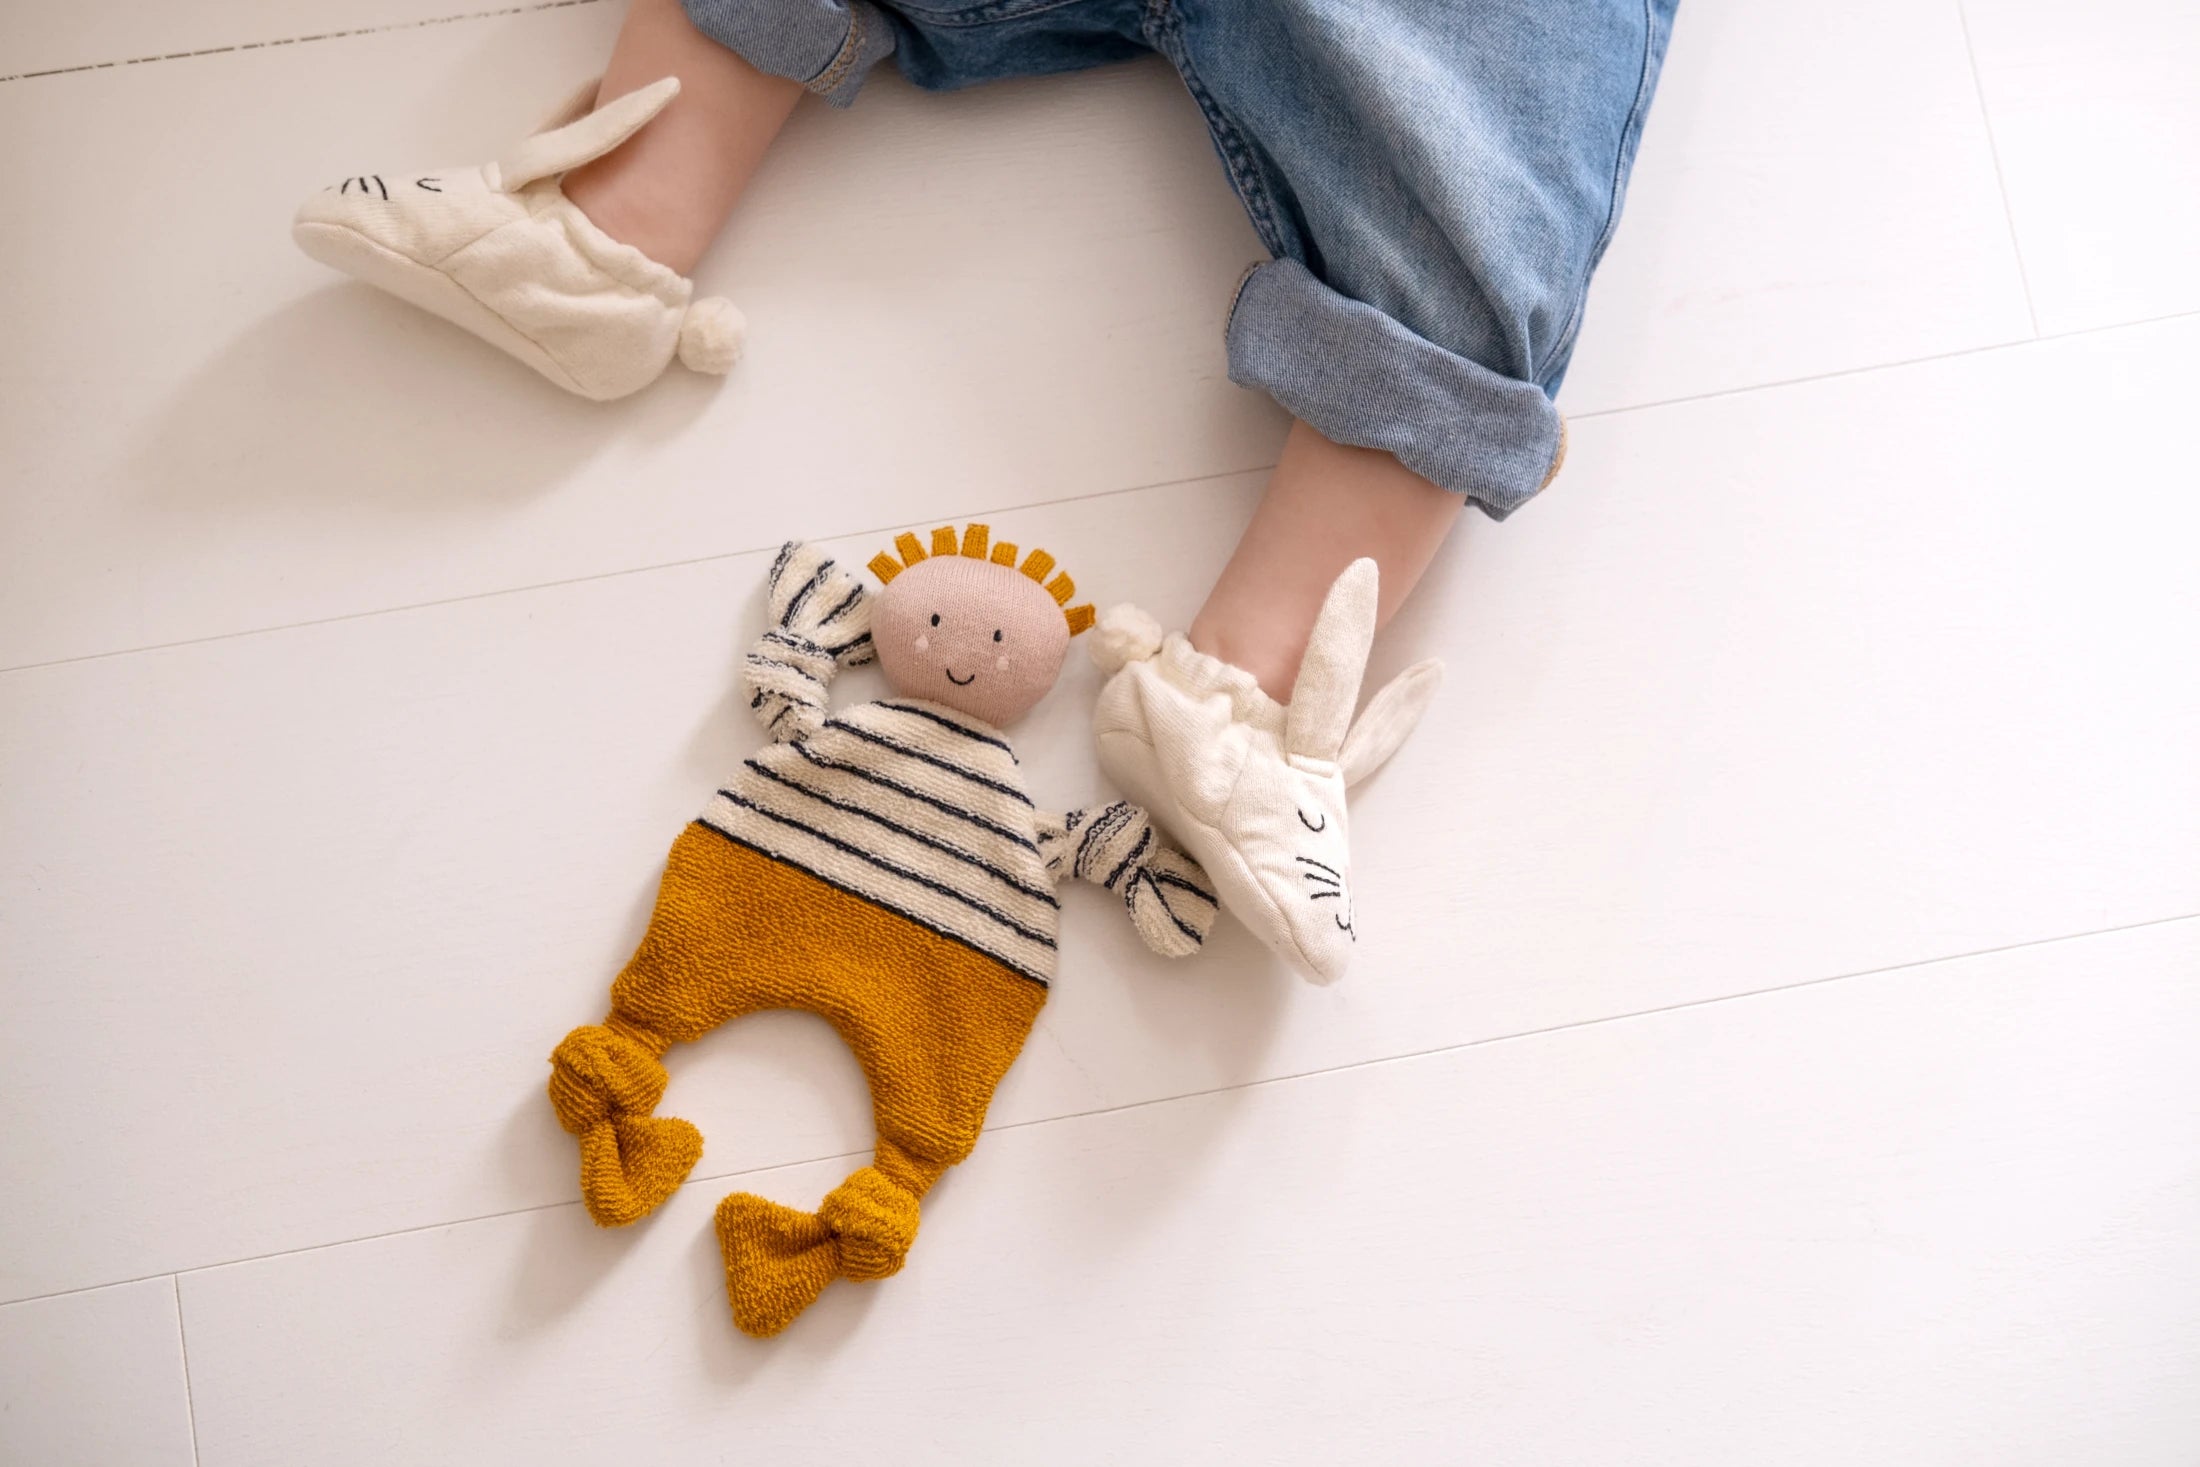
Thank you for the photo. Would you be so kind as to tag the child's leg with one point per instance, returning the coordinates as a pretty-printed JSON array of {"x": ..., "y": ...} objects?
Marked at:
[
  {"x": 1433, "y": 242},
  {"x": 1326, "y": 506},
  {"x": 669, "y": 190}
]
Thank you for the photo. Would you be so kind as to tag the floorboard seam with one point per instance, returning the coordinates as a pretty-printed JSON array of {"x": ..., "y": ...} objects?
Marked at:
[
  {"x": 718, "y": 1178},
  {"x": 183, "y": 1346},
  {"x": 2001, "y": 179},
  {"x": 370, "y": 30},
  {"x": 612, "y": 575},
  {"x": 2019, "y": 344}
]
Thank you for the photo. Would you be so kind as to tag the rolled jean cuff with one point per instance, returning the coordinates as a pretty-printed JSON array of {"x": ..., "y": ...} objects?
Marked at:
[
  {"x": 1356, "y": 376},
  {"x": 827, "y": 45}
]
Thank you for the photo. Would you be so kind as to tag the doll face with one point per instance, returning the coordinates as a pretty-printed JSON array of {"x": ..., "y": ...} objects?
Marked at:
[{"x": 979, "y": 637}]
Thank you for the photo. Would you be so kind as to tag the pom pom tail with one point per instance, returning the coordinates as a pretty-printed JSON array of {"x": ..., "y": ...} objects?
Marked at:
[
  {"x": 711, "y": 334},
  {"x": 1124, "y": 635}
]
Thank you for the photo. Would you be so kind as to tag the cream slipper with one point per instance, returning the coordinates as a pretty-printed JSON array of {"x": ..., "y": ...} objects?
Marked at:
[
  {"x": 1252, "y": 788},
  {"x": 499, "y": 250}
]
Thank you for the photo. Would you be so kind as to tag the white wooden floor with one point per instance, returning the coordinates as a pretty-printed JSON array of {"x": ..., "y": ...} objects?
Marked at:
[{"x": 1773, "y": 1038}]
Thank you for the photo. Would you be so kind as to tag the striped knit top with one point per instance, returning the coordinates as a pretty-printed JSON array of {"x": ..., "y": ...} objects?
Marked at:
[
  {"x": 921, "y": 808},
  {"x": 918, "y": 808}
]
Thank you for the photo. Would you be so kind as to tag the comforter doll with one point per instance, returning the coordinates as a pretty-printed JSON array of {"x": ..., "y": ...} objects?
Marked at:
[{"x": 883, "y": 867}]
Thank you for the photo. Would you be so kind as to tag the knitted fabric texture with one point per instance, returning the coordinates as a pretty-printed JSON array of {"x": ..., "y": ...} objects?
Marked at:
[{"x": 885, "y": 869}]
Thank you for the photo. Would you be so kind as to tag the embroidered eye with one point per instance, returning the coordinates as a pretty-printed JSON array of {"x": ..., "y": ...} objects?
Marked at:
[
  {"x": 1310, "y": 825},
  {"x": 935, "y": 618},
  {"x": 996, "y": 634}
]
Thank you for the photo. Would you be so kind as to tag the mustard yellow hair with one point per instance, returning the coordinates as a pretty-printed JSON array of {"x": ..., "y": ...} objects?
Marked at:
[{"x": 973, "y": 544}]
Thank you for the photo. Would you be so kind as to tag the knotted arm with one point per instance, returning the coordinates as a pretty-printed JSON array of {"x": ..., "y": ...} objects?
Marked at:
[
  {"x": 1117, "y": 847},
  {"x": 818, "y": 620}
]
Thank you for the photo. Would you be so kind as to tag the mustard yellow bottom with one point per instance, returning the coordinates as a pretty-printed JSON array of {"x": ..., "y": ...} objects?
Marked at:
[{"x": 934, "y": 1024}]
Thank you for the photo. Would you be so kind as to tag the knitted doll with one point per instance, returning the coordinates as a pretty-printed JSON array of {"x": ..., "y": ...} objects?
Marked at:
[{"x": 883, "y": 868}]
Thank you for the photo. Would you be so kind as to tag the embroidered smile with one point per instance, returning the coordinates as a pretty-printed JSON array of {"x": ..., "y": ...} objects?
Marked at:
[{"x": 960, "y": 682}]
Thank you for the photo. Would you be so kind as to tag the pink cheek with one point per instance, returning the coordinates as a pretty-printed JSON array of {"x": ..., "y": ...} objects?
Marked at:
[
  {"x": 924, "y": 644},
  {"x": 1001, "y": 663}
]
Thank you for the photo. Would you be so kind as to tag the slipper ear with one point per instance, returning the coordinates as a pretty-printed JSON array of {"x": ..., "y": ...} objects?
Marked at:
[
  {"x": 1330, "y": 672},
  {"x": 1391, "y": 715},
  {"x": 585, "y": 139}
]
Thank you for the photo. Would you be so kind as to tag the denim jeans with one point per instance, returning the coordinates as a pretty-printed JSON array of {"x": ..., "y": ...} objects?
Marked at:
[{"x": 1435, "y": 180}]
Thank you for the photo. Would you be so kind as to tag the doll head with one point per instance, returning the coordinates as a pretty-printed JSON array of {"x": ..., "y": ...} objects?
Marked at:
[{"x": 966, "y": 626}]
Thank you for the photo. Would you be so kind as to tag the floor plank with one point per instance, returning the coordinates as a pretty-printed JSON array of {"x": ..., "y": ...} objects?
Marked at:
[
  {"x": 1777, "y": 229},
  {"x": 1934, "y": 1218},
  {"x": 2094, "y": 110},
  {"x": 1753, "y": 697},
  {"x": 95, "y": 1380}
]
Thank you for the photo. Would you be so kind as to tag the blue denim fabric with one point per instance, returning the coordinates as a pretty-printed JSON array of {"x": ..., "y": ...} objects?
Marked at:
[{"x": 1436, "y": 180}]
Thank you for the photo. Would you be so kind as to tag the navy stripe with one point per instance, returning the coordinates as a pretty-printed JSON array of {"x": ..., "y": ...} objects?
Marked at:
[
  {"x": 956, "y": 769},
  {"x": 854, "y": 595},
  {"x": 1148, "y": 878},
  {"x": 816, "y": 578},
  {"x": 758, "y": 664},
  {"x": 1084, "y": 842},
  {"x": 942, "y": 806},
  {"x": 924, "y": 881},
  {"x": 863, "y": 896},
  {"x": 794, "y": 642},
  {"x": 1177, "y": 881},
  {"x": 923, "y": 840},
  {"x": 758, "y": 659},
  {"x": 1145, "y": 839},
  {"x": 1103, "y": 827},
  {"x": 779, "y": 563},
  {"x": 969, "y": 733}
]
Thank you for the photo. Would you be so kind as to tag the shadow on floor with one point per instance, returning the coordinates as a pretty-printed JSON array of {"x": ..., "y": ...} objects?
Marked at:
[{"x": 346, "y": 403}]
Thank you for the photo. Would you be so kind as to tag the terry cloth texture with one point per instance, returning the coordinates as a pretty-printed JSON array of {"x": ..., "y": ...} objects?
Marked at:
[
  {"x": 934, "y": 1022},
  {"x": 883, "y": 868}
]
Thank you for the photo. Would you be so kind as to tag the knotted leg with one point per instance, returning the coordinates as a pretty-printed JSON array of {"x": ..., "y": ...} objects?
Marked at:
[
  {"x": 703, "y": 961},
  {"x": 934, "y": 1022},
  {"x": 936, "y": 1025},
  {"x": 604, "y": 1084},
  {"x": 779, "y": 1259}
]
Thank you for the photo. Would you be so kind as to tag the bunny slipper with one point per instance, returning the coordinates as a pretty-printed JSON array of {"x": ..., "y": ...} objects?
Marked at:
[
  {"x": 499, "y": 250},
  {"x": 1255, "y": 789}
]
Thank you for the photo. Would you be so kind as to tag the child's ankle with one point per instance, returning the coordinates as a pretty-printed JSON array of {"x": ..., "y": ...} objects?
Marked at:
[
  {"x": 1273, "y": 660},
  {"x": 632, "y": 219}
]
